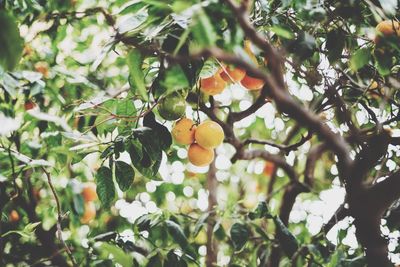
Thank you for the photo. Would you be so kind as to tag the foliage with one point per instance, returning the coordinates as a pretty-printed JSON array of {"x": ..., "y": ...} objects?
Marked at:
[{"x": 81, "y": 83}]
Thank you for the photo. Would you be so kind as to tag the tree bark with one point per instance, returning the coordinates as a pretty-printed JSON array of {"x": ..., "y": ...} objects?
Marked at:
[{"x": 212, "y": 246}]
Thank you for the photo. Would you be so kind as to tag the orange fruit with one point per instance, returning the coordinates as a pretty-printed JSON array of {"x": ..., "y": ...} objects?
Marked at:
[
  {"x": 43, "y": 68},
  {"x": 209, "y": 134},
  {"x": 89, "y": 212},
  {"x": 183, "y": 131},
  {"x": 269, "y": 168},
  {"x": 212, "y": 85},
  {"x": 28, "y": 105},
  {"x": 251, "y": 83},
  {"x": 14, "y": 216},
  {"x": 89, "y": 192},
  {"x": 230, "y": 74},
  {"x": 200, "y": 156},
  {"x": 387, "y": 28}
]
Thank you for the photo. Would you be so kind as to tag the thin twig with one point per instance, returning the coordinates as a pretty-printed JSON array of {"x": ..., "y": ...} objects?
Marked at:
[{"x": 59, "y": 217}]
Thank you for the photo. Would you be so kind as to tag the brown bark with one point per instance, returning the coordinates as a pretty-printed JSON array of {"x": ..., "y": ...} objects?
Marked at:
[{"x": 212, "y": 245}]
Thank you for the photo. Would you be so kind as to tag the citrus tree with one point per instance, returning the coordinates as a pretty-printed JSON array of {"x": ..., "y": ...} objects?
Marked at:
[{"x": 199, "y": 133}]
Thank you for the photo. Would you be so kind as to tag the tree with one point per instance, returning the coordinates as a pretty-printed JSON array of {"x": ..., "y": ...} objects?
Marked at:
[{"x": 303, "y": 94}]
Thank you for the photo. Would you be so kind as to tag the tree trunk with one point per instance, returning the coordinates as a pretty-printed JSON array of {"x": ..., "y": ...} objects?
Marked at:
[{"x": 212, "y": 246}]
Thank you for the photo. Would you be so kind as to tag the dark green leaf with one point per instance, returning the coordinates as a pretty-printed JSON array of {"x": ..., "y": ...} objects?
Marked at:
[
  {"x": 124, "y": 174},
  {"x": 155, "y": 261},
  {"x": 239, "y": 235},
  {"x": 286, "y": 239},
  {"x": 177, "y": 233},
  {"x": 11, "y": 43},
  {"x": 260, "y": 212},
  {"x": 335, "y": 42},
  {"x": 105, "y": 186}
]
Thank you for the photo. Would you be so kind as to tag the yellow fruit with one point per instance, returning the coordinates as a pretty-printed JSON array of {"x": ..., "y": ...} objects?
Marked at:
[
  {"x": 209, "y": 134},
  {"x": 230, "y": 74},
  {"x": 387, "y": 28},
  {"x": 89, "y": 192},
  {"x": 212, "y": 85},
  {"x": 373, "y": 85},
  {"x": 14, "y": 216},
  {"x": 89, "y": 212},
  {"x": 183, "y": 131},
  {"x": 251, "y": 83},
  {"x": 200, "y": 156}
]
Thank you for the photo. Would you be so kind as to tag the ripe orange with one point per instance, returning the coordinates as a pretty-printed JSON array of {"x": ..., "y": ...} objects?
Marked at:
[
  {"x": 89, "y": 213},
  {"x": 212, "y": 85},
  {"x": 209, "y": 134},
  {"x": 387, "y": 28},
  {"x": 14, "y": 216},
  {"x": 183, "y": 131},
  {"x": 251, "y": 83},
  {"x": 230, "y": 74},
  {"x": 200, "y": 156},
  {"x": 269, "y": 168},
  {"x": 89, "y": 192}
]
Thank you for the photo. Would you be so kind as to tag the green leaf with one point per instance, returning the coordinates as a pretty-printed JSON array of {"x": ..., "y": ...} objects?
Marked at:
[
  {"x": 105, "y": 186},
  {"x": 173, "y": 260},
  {"x": 124, "y": 174},
  {"x": 286, "y": 239},
  {"x": 26, "y": 232},
  {"x": 335, "y": 42},
  {"x": 11, "y": 43},
  {"x": 175, "y": 80},
  {"x": 177, "y": 233},
  {"x": 360, "y": 58},
  {"x": 155, "y": 261},
  {"x": 200, "y": 223},
  {"x": 135, "y": 60},
  {"x": 78, "y": 204},
  {"x": 119, "y": 256},
  {"x": 260, "y": 212},
  {"x": 126, "y": 107},
  {"x": 282, "y": 32},
  {"x": 203, "y": 30},
  {"x": 239, "y": 235}
]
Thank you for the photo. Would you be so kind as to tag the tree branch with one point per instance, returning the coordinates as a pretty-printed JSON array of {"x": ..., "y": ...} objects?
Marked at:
[{"x": 59, "y": 217}]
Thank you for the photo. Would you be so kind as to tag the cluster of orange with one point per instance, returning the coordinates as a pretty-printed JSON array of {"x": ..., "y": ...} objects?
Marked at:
[
  {"x": 89, "y": 195},
  {"x": 202, "y": 139},
  {"x": 216, "y": 84},
  {"x": 387, "y": 28}
]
